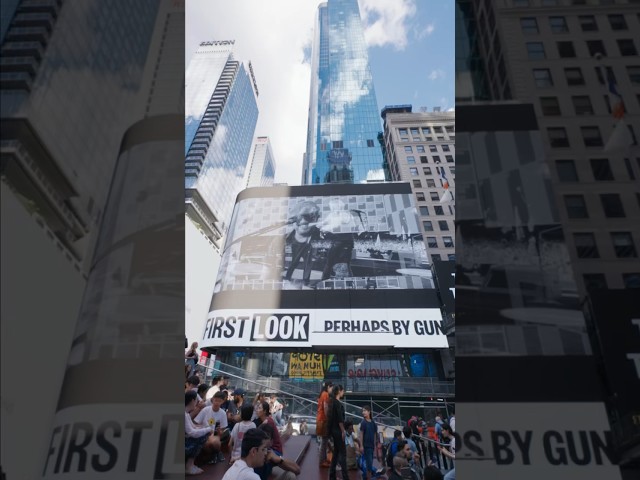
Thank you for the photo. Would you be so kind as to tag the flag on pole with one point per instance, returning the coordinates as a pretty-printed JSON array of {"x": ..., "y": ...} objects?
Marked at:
[
  {"x": 447, "y": 196},
  {"x": 620, "y": 137}
]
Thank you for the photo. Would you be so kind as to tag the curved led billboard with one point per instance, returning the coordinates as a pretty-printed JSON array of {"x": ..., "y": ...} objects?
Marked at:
[{"x": 325, "y": 265}]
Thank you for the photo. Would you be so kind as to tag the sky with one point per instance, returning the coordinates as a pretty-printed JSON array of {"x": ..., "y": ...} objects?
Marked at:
[{"x": 411, "y": 54}]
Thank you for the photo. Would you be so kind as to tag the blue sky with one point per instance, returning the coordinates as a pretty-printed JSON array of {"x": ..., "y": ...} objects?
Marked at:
[{"x": 411, "y": 52}]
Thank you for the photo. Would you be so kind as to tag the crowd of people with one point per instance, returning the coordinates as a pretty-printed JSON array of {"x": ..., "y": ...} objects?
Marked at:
[{"x": 401, "y": 458}]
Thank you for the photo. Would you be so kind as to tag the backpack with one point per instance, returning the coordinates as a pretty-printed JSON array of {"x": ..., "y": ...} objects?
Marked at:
[{"x": 389, "y": 453}]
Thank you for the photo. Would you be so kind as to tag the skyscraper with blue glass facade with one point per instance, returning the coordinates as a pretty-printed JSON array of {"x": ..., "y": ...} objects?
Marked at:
[
  {"x": 221, "y": 114},
  {"x": 344, "y": 120}
]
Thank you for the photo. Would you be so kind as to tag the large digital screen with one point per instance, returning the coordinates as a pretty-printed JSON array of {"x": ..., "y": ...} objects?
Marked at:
[{"x": 325, "y": 265}]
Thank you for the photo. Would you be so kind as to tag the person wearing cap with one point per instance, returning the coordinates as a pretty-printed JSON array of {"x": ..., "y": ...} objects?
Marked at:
[
  {"x": 299, "y": 242},
  {"x": 235, "y": 407}
]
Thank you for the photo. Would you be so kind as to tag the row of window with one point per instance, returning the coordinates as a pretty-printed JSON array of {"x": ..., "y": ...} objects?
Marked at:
[
  {"x": 415, "y": 131},
  {"x": 442, "y": 225},
  {"x": 566, "y": 49},
  {"x": 340, "y": 144},
  {"x": 591, "y": 136},
  {"x": 558, "y": 24},
  {"x": 574, "y": 77},
  {"x": 612, "y": 206},
  {"x": 587, "y": 247},
  {"x": 451, "y": 256},
  {"x": 437, "y": 209},
  {"x": 432, "y": 148},
  {"x": 435, "y": 158},
  {"x": 432, "y": 242},
  {"x": 600, "y": 167},
  {"x": 598, "y": 281},
  {"x": 550, "y": 106}
]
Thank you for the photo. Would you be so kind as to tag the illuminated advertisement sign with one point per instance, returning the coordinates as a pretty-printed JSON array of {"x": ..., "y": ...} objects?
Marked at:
[{"x": 325, "y": 265}]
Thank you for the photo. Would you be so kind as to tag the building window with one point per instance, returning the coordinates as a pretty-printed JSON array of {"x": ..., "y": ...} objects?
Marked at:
[
  {"x": 433, "y": 148},
  {"x": 431, "y": 183},
  {"x": 612, "y": 205},
  {"x": 449, "y": 158},
  {"x": 436, "y": 159},
  {"x": 542, "y": 77},
  {"x": 566, "y": 171},
  {"x": 411, "y": 160},
  {"x": 408, "y": 149},
  {"x": 601, "y": 169},
  {"x": 448, "y": 128},
  {"x": 582, "y": 105},
  {"x": 424, "y": 211},
  {"x": 370, "y": 143},
  {"x": 452, "y": 257},
  {"x": 434, "y": 196},
  {"x": 595, "y": 47},
  {"x": 623, "y": 244},
  {"x": 426, "y": 131},
  {"x": 435, "y": 257},
  {"x": 627, "y": 47},
  {"x": 338, "y": 144},
  {"x": 586, "y": 246},
  {"x": 438, "y": 210},
  {"x": 420, "y": 148},
  {"x": 417, "y": 184},
  {"x": 566, "y": 50},
  {"x": 413, "y": 171},
  {"x": 617, "y": 22},
  {"x": 420, "y": 197},
  {"x": 591, "y": 136},
  {"x": 558, "y": 137},
  {"x": 428, "y": 226},
  {"x": 437, "y": 129},
  {"x": 535, "y": 50},
  {"x": 426, "y": 170},
  {"x": 574, "y": 76},
  {"x": 432, "y": 242},
  {"x": 550, "y": 106},
  {"x": 402, "y": 132},
  {"x": 576, "y": 206},
  {"x": 424, "y": 159},
  {"x": 415, "y": 132},
  {"x": 446, "y": 148},
  {"x": 588, "y": 23},
  {"x": 448, "y": 242},
  {"x": 529, "y": 25},
  {"x": 443, "y": 225},
  {"x": 634, "y": 74},
  {"x": 594, "y": 281},
  {"x": 558, "y": 25},
  {"x": 631, "y": 280}
]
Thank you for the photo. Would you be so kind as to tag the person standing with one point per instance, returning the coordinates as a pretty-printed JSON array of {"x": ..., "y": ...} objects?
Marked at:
[
  {"x": 321, "y": 423},
  {"x": 447, "y": 433},
  {"x": 369, "y": 440},
  {"x": 337, "y": 431},
  {"x": 191, "y": 359}
]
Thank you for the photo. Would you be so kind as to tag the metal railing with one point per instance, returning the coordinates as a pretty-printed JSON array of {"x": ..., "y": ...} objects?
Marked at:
[{"x": 427, "y": 447}]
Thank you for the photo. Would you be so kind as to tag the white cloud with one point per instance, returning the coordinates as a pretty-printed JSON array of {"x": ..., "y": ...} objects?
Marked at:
[
  {"x": 436, "y": 74},
  {"x": 386, "y": 23},
  {"x": 426, "y": 31}
]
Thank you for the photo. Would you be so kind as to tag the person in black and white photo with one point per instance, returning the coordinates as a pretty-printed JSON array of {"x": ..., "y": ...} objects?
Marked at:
[{"x": 300, "y": 241}]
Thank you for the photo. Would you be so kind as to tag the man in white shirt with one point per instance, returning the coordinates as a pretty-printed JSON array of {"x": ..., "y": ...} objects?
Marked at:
[
  {"x": 213, "y": 416},
  {"x": 216, "y": 382},
  {"x": 253, "y": 454}
]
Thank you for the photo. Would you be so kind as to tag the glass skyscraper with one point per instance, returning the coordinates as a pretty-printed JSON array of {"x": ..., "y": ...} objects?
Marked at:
[
  {"x": 221, "y": 114},
  {"x": 344, "y": 120}
]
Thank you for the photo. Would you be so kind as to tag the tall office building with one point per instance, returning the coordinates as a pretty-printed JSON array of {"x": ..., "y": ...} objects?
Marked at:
[
  {"x": 420, "y": 149},
  {"x": 569, "y": 80},
  {"x": 221, "y": 113},
  {"x": 261, "y": 169},
  {"x": 343, "y": 122}
]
